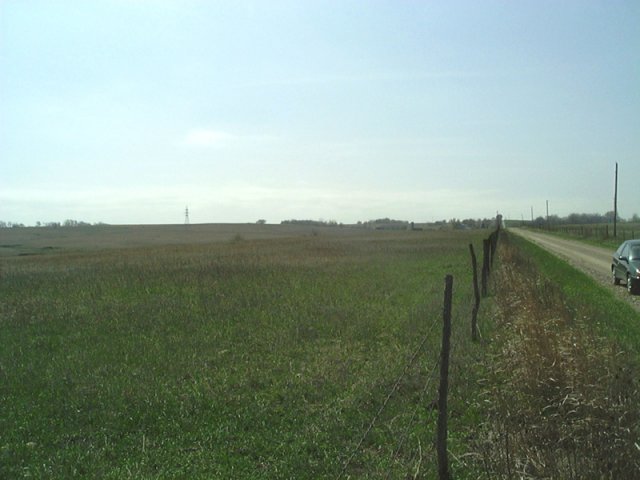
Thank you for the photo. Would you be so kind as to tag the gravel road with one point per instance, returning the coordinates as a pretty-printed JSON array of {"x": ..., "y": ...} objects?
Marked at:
[{"x": 594, "y": 261}]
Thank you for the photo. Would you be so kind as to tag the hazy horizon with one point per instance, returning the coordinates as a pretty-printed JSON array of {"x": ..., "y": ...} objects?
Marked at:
[{"x": 126, "y": 112}]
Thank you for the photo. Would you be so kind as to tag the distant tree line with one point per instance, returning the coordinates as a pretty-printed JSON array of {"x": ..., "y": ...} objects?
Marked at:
[
  {"x": 385, "y": 224},
  {"x": 4, "y": 224},
  {"x": 471, "y": 223},
  {"x": 394, "y": 224},
  {"x": 310, "y": 223},
  {"x": 583, "y": 219},
  {"x": 66, "y": 223}
]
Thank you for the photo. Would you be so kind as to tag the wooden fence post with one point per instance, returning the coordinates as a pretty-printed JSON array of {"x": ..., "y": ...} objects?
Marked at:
[
  {"x": 493, "y": 240},
  {"x": 485, "y": 265},
  {"x": 441, "y": 437},
  {"x": 476, "y": 293}
]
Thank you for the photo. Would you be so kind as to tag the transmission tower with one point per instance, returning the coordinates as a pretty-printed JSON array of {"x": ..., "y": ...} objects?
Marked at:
[{"x": 186, "y": 215}]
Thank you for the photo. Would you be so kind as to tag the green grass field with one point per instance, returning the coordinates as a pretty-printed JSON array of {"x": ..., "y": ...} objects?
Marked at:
[{"x": 247, "y": 357}]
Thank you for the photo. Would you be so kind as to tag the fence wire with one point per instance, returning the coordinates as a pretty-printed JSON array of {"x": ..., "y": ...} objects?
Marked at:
[
  {"x": 412, "y": 420},
  {"x": 394, "y": 388},
  {"x": 456, "y": 343}
]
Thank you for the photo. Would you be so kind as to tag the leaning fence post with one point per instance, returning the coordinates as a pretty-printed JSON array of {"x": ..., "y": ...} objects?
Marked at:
[
  {"x": 476, "y": 293},
  {"x": 485, "y": 265},
  {"x": 494, "y": 244},
  {"x": 441, "y": 438}
]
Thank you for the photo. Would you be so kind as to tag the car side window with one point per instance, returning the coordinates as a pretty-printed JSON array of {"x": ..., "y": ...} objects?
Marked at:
[
  {"x": 619, "y": 251},
  {"x": 625, "y": 251}
]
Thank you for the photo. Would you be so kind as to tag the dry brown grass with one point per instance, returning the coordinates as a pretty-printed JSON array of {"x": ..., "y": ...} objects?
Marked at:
[
  {"x": 50, "y": 240},
  {"x": 561, "y": 401}
]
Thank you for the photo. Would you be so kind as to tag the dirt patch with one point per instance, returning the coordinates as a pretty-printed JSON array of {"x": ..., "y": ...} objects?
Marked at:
[{"x": 560, "y": 401}]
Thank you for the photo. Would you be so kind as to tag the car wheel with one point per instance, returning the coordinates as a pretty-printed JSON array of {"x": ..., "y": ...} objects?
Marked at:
[{"x": 616, "y": 280}]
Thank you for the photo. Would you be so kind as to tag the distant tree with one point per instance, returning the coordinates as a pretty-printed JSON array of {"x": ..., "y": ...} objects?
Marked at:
[
  {"x": 635, "y": 218},
  {"x": 539, "y": 222},
  {"x": 609, "y": 216},
  {"x": 387, "y": 224},
  {"x": 473, "y": 222},
  {"x": 554, "y": 220},
  {"x": 3, "y": 224},
  {"x": 262, "y": 221},
  {"x": 310, "y": 223},
  {"x": 75, "y": 223},
  {"x": 585, "y": 218}
]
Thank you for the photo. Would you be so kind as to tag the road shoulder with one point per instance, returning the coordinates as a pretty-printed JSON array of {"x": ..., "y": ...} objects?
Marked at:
[{"x": 591, "y": 260}]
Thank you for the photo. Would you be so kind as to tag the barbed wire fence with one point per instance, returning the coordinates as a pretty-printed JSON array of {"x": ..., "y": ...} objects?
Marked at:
[
  {"x": 448, "y": 348},
  {"x": 411, "y": 362}
]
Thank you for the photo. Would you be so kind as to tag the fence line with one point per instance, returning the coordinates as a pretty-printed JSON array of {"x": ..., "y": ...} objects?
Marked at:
[
  {"x": 489, "y": 253},
  {"x": 476, "y": 294},
  {"x": 600, "y": 232}
]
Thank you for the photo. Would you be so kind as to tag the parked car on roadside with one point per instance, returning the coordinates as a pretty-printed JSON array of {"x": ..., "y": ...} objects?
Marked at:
[{"x": 625, "y": 265}]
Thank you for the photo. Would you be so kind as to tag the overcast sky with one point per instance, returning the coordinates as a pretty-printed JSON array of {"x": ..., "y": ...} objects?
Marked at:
[{"x": 127, "y": 111}]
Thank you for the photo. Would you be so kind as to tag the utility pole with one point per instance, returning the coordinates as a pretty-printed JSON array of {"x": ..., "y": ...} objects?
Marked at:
[
  {"x": 547, "y": 213},
  {"x": 615, "y": 205},
  {"x": 186, "y": 215},
  {"x": 531, "y": 213}
]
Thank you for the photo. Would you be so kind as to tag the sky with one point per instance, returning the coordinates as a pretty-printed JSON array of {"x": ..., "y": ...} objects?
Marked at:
[{"x": 130, "y": 111}]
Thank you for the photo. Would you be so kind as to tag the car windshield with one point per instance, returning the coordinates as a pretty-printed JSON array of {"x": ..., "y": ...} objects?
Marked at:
[{"x": 634, "y": 253}]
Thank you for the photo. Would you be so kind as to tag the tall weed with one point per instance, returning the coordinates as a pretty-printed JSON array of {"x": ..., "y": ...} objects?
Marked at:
[{"x": 562, "y": 401}]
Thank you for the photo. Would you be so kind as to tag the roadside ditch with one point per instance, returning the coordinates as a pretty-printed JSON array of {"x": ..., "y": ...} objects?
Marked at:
[{"x": 560, "y": 400}]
